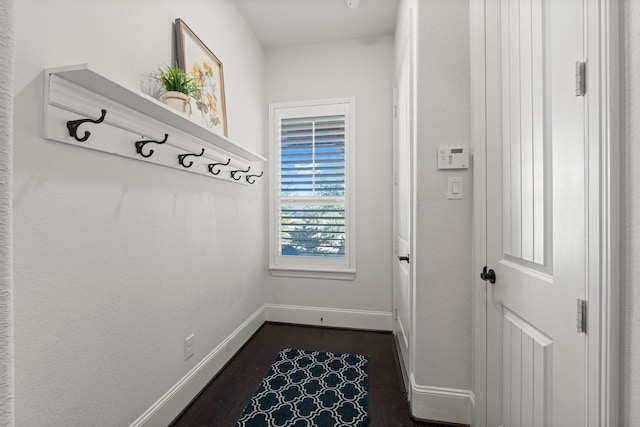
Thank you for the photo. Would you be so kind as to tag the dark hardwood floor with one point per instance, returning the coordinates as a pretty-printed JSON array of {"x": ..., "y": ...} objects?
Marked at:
[{"x": 223, "y": 400}]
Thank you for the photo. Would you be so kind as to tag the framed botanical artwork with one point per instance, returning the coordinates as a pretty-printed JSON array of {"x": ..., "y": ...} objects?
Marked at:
[{"x": 195, "y": 58}]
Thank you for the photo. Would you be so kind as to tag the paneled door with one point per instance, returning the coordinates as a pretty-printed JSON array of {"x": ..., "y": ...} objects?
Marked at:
[
  {"x": 402, "y": 285},
  {"x": 536, "y": 213}
]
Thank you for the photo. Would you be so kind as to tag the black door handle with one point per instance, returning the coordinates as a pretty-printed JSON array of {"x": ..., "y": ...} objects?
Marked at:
[
  {"x": 404, "y": 258},
  {"x": 488, "y": 275}
]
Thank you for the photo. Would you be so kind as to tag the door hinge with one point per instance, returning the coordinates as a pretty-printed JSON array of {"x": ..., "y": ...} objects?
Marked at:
[
  {"x": 581, "y": 78},
  {"x": 395, "y": 111},
  {"x": 581, "y": 322},
  {"x": 395, "y": 313}
]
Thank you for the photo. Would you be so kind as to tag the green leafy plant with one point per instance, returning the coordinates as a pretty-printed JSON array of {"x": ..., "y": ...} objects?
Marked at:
[{"x": 177, "y": 80}]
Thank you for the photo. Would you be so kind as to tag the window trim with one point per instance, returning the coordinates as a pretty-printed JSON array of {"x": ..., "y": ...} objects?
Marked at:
[{"x": 320, "y": 268}]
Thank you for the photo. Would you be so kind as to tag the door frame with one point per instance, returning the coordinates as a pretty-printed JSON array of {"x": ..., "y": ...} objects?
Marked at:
[
  {"x": 602, "y": 114},
  {"x": 407, "y": 47}
]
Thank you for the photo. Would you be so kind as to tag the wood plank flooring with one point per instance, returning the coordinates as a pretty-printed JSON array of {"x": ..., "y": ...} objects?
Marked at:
[{"x": 222, "y": 401}]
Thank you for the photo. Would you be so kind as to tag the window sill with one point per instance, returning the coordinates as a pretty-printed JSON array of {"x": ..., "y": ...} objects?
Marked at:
[{"x": 310, "y": 273}]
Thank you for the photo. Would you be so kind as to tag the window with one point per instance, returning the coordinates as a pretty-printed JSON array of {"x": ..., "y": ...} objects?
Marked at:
[{"x": 312, "y": 210}]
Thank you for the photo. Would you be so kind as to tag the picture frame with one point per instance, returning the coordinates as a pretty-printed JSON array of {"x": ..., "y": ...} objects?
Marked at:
[{"x": 195, "y": 58}]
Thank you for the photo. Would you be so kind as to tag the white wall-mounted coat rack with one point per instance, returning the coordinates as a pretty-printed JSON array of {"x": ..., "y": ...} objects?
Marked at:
[{"x": 86, "y": 109}]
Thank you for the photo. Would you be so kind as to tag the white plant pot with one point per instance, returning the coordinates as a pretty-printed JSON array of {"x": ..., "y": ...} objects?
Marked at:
[{"x": 178, "y": 101}]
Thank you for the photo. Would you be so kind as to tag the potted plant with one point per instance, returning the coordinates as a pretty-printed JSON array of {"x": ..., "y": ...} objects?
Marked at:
[{"x": 178, "y": 88}]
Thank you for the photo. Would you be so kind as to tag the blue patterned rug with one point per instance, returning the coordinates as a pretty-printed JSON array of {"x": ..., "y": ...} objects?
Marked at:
[{"x": 311, "y": 388}]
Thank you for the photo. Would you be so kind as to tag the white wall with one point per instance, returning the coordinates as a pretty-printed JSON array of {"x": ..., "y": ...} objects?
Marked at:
[
  {"x": 6, "y": 172},
  {"x": 362, "y": 69},
  {"x": 630, "y": 233},
  {"x": 443, "y": 234},
  {"x": 441, "y": 357},
  {"x": 117, "y": 261}
]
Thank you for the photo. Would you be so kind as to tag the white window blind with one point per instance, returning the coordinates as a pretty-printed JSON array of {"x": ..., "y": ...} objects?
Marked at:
[
  {"x": 312, "y": 169},
  {"x": 312, "y": 199}
]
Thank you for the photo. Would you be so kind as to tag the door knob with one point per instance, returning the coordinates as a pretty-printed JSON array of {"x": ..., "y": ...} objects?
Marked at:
[
  {"x": 404, "y": 258},
  {"x": 488, "y": 275}
]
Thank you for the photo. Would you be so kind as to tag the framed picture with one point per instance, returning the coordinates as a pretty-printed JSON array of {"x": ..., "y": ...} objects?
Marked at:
[{"x": 195, "y": 58}]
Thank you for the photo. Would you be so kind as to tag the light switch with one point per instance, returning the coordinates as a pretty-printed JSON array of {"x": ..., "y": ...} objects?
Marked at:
[{"x": 455, "y": 190}]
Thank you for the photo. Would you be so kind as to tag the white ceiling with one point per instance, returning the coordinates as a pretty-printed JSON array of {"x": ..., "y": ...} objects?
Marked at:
[{"x": 282, "y": 23}]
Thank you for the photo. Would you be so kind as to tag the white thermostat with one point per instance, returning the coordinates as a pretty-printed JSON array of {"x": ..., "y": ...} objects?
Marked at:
[{"x": 453, "y": 157}]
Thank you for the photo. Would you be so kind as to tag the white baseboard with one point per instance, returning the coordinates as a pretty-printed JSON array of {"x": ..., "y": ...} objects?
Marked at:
[
  {"x": 337, "y": 318},
  {"x": 441, "y": 404},
  {"x": 170, "y": 405}
]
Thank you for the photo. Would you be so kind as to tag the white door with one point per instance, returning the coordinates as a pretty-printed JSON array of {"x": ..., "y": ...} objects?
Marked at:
[
  {"x": 402, "y": 288},
  {"x": 536, "y": 213}
]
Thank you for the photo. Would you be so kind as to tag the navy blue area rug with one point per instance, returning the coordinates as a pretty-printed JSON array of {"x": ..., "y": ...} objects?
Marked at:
[{"x": 311, "y": 388}]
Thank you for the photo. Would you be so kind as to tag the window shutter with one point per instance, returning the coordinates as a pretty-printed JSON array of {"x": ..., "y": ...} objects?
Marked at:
[
  {"x": 312, "y": 230},
  {"x": 312, "y": 156},
  {"x": 312, "y": 186}
]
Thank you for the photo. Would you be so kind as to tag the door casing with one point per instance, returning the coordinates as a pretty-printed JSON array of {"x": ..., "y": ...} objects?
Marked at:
[{"x": 407, "y": 47}]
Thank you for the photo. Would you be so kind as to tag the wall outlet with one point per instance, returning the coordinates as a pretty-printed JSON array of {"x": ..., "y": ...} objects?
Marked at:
[{"x": 188, "y": 347}]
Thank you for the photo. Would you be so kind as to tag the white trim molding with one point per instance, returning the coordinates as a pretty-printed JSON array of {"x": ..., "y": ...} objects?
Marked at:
[
  {"x": 324, "y": 267},
  {"x": 478, "y": 132},
  {"x": 169, "y": 406},
  {"x": 333, "y": 317},
  {"x": 441, "y": 404},
  {"x": 313, "y": 274},
  {"x": 7, "y": 51},
  {"x": 603, "y": 271}
]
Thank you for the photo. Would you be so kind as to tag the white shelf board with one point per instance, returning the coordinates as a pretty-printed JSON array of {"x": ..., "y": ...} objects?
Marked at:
[{"x": 87, "y": 77}]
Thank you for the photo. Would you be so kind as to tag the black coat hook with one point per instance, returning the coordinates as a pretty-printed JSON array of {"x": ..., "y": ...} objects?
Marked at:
[
  {"x": 140, "y": 144},
  {"x": 181, "y": 158},
  {"x": 233, "y": 173},
  {"x": 212, "y": 165},
  {"x": 252, "y": 181},
  {"x": 72, "y": 125}
]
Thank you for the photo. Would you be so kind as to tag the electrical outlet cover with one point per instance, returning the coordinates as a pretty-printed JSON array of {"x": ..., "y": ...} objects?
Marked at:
[{"x": 188, "y": 347}]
